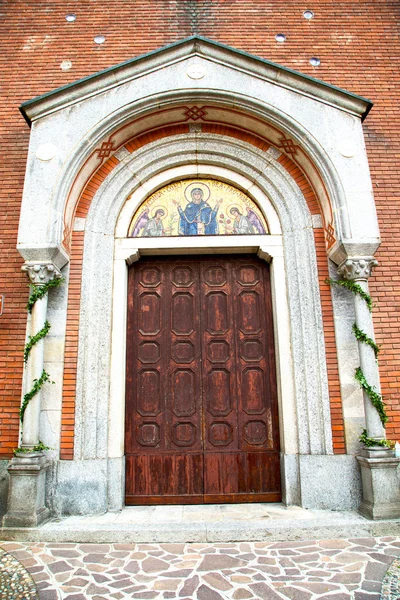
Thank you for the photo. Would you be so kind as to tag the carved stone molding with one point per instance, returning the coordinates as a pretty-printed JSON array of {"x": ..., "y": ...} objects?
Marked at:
[
  {"x": 41, "y": 273},
  {"x": 264, "y": 255},
  {"x": 357, "y": 268},
  {"x": 133, "y": 257}
]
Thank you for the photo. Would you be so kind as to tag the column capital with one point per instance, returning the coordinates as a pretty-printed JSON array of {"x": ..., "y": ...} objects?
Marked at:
[
  {"x": 357, "y": 267},
  {"x": 41, "y": 273}
]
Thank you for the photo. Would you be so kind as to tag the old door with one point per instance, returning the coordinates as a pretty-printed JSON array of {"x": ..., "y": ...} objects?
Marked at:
[{"x": 201, "y": 412}]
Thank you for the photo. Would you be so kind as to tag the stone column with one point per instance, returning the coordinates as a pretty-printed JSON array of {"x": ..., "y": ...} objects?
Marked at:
[
  {"x": 26, "y": 497},
  {"x": 359, "y": 270},
  {"x": 380, "y": 482}
]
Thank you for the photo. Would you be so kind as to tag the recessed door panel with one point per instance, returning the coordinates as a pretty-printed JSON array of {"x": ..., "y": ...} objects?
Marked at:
[
  {"x": 150, "y": 314},
  {"x": 184, "y": 393}
]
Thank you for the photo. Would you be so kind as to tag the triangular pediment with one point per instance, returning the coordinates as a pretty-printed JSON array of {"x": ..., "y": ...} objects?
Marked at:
[{"x": 205, "y": 51}]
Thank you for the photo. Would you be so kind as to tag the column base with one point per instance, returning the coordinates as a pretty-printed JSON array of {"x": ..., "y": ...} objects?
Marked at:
[
  {"x": 26, "y": 494},
  {"x": 380, "y": 484}
]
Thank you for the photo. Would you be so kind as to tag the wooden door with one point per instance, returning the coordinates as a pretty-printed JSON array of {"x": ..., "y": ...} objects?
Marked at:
[{"x": 201, "y": 413}]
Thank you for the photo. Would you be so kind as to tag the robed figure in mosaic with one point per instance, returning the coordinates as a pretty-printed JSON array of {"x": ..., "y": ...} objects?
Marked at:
[{"x": 198, "y": 218}]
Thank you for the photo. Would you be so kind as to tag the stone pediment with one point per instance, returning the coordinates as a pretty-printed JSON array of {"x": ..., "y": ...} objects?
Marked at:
[{"x": 204, "y": 52}]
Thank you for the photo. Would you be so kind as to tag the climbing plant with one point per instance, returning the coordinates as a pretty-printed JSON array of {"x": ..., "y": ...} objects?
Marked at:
[
  {"x": 353, "y": 287},
  {"x": 33, "y": 339},
  {"x": 375, "y": 398},
  {"x": 36, "y": 294},
  {"x": 37, "y": 385},
  {"x": 368, "y": 442},
  {"x": 39, "y": 292},
  {"x": 361, "y": 336}
]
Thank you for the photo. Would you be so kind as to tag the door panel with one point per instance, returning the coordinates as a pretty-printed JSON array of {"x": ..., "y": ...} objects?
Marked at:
[
  {"x": 240, "y": 451},
  {"x": 201, "y": 418},
  {"x": 164, "y": 459}
]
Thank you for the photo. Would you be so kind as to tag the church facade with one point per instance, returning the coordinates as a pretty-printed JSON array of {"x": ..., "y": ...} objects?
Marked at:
[{"x": 200, "y": 233}]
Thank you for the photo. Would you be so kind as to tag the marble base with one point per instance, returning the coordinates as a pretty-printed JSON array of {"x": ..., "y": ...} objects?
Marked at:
[
  {"x": 380, "y": 484},
  {"x": 26, "y": 494}
]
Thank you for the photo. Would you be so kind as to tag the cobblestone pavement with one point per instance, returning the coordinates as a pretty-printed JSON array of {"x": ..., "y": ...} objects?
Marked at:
[
  {"x": 338, "y": 569},
  {"x": 391, "y": 583},
  {"x": 15, "y": 581}
]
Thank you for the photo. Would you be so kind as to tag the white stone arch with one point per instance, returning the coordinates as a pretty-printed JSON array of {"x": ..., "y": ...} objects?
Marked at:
[
  {"x": 319, "y": 156},
  {"x": 303, "y": 391}
]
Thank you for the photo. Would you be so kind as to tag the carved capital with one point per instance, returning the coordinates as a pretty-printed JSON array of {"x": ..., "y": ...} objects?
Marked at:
[
  {"x": 357, "y": 268},
  {"x": 41, "y": 273}
]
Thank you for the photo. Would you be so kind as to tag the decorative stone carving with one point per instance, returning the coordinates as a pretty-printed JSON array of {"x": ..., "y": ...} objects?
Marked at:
[
  {"x": 41, "y": 273},
  {"x": 357, "y": 268},
  {"x": 134, "y": 256}
]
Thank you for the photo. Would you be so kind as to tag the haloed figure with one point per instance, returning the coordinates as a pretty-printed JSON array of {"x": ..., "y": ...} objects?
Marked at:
[
  {"x": 154, "y": 227},
  {"x": 241, "y": 224},
  {"x": 198, "y": 216}
]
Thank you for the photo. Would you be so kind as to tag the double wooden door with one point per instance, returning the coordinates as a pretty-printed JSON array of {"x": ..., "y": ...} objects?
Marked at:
[{"x": 201, "y": 411}]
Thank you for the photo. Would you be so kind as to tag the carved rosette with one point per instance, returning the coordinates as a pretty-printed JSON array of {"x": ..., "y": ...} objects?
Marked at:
[
  {"x": 41, "y": 273},
  {"x": 357, "y": 268}
]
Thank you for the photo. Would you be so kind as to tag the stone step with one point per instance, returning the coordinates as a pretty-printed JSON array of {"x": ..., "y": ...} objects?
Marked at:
[{"x": 211, "y": 523}]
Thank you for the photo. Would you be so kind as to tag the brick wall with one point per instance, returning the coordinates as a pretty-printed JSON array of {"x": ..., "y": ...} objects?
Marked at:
[{"x": 356, "y": 41}]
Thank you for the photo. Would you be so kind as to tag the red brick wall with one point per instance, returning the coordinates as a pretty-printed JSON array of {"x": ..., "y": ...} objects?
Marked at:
[{"x": 356, "y": 41}]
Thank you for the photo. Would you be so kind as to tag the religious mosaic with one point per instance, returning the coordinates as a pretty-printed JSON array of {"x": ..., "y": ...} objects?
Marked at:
[{"x": 197, "y": 207}]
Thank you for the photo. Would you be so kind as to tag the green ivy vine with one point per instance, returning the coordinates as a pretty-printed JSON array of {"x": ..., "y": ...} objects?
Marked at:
[
  {"x": 369, "y": 442},
  {"x": 375, "y": 398},
  {"x": 353, "y": 287},
  {"x": 37, "y": 385},
  {"x": 33, "y": 339},
  {"x": 37, "y": 293},
  {"x": 40, "y": 447},
  {"x": 361, "y": 336}
]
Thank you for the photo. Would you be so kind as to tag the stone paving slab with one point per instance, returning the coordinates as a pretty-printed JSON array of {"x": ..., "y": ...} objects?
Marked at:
[{"x": 335, "y": 569}]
